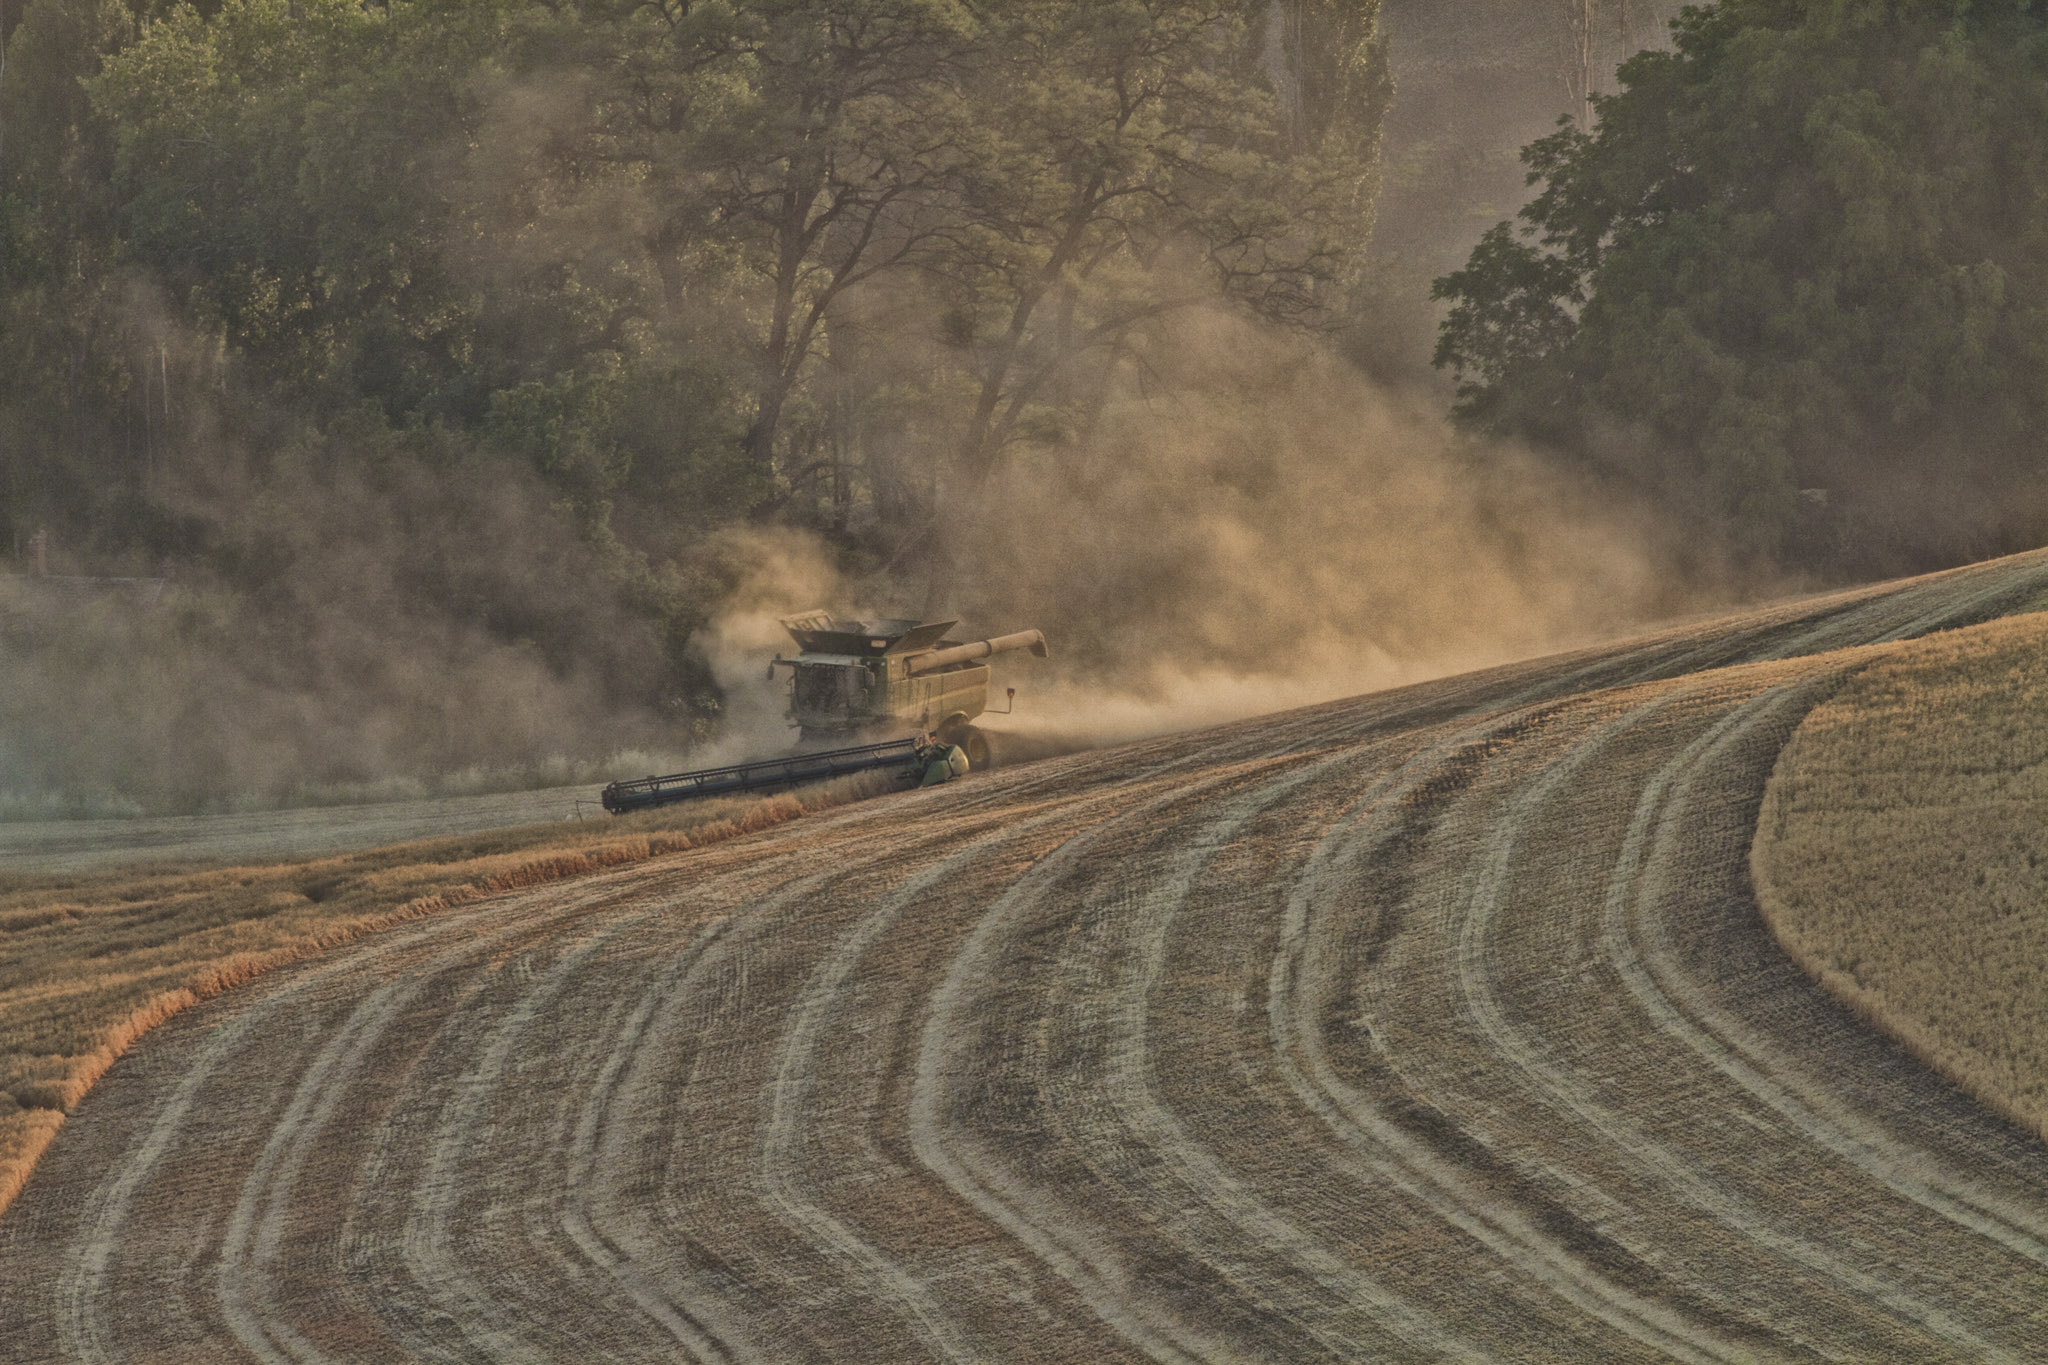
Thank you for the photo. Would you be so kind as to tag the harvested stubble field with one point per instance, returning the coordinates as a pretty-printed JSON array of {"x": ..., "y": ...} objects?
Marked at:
[
  {"x": 95, "y": 960},
  {"x": 1434, "y": 1024},
  {"x": 1902, "y": 855}
]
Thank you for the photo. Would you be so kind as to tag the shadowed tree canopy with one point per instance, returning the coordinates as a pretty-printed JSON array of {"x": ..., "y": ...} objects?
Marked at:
[
  {"x": 1795, "y": 282},
  {"x": 613, "y": 284},
  {"x": 1129, "y": 166}
]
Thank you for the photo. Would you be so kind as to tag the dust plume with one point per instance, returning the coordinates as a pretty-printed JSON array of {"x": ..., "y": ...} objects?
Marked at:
[
  {"x": 1250, "y": 526},
  {"x": 779, "y": 573},
  {"x": 360, "y": 623},
  {"x": 1253, "y": 526}
]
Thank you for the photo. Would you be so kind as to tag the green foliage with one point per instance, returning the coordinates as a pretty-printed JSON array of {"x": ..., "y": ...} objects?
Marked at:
[
  {"x": 1333, "y": 82},
  {"x": 450, "y": 209},
  {"x": 1804, "y": 250},
  {"x": 282, "y": 165}
]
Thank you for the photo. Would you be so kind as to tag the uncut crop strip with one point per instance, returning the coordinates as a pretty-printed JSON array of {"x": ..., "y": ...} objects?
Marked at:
[
  {"x": 1637, "y": 934},
  {"x": 1921, "y": 911},
  {"x": 1389, "y": 1029}
]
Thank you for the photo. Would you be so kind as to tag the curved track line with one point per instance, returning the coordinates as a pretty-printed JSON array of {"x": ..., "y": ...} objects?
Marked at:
[
  {"x": 1682, "y": 1009},
  {"x": 83, "y": 1285},
  {"x": 711, "y": 1329},
  {"x": 255, "y": 1229},
  {"x": 430, "y": 1252},
  {"x": 1200, "y": 1171},
  {"x": 1083, "y": 1260},
  {"x": 1080, "y": 1259},
  {"x": 782, "y": 1137},
  {"x": 706, "y": 1325},
  {"x": 1626, "y": 1141},
  {"x": 781, "y": 1142},
  {"x": 1407, "y": 1163}
]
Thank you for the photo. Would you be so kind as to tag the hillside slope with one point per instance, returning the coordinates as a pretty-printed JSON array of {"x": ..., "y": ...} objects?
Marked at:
[
  {"x": 1436, "y": 1023},
  {"x": 1900, "y": 855}
]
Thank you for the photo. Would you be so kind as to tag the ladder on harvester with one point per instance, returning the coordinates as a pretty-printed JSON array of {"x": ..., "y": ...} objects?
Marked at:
[{"x": 773, "y": 774}]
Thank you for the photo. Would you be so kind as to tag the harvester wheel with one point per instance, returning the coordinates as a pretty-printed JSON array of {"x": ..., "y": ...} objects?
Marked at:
[{"x": 956, "y": 728}]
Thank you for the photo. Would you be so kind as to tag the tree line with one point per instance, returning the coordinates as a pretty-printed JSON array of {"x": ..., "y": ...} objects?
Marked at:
[
  {"x": 491, "y": 329},
  {"x": 1792, "y": 285},
  {"x": 768, "y": 257}
]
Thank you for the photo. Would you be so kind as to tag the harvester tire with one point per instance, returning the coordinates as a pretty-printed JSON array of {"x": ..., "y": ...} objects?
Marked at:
[{"x": 956, "y": 728}]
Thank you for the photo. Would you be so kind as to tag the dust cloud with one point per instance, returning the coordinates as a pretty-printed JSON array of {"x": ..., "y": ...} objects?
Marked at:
[
  {"x": 781, "y": 573},
  {"x": 1250, "y": 525},
  {"x": 1255, "y": 526},
  {"x": 374, "y": 624}
]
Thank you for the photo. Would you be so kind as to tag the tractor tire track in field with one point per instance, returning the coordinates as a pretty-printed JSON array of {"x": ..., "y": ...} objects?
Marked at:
[{"x": 1433, "y": 1025}]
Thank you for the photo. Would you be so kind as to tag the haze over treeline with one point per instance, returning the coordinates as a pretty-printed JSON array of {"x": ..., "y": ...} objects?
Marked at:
[
  {"x": 1792, "y": 283},
  {"x": 465, "y": 365}
]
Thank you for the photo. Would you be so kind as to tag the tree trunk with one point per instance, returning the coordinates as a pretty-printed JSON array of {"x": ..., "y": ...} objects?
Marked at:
[{"x": 1581, "y": 27}]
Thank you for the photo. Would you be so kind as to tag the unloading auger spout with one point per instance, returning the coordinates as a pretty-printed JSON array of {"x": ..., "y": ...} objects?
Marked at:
[{"x": 1032, "y": 640}]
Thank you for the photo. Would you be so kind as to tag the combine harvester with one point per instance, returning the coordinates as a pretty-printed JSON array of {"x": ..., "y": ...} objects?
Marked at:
[{"x": 861, "y": 679}]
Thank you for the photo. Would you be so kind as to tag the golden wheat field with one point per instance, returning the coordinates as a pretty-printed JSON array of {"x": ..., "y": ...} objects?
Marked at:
[
  {"x": 1436, "y": 1024},
  {"x": 1902, "y": 854}
]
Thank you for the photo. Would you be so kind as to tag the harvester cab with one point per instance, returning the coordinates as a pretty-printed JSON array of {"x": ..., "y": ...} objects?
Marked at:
[{"x": 866, "y": 679}]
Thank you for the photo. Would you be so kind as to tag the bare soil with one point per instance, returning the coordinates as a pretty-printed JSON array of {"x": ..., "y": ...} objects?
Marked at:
[{"x": 1434, "y": 1024}]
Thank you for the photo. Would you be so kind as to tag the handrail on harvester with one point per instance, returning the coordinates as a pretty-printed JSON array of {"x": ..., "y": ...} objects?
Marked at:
[{"x": 647, "y": 792}]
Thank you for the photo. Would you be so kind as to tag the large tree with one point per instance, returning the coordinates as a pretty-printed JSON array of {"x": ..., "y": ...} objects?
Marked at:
[
  {"x": 777, "y": 154},
  {"x": 1795, "y": 283},
  {"x": 1137, "y": 158},
  {"x": 57, "y": 389}
]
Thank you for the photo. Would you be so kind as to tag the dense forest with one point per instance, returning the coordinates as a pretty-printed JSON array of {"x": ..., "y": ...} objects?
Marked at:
[
  {"x": 1792, "y": 284},
  {"x": 470, "y": 336},
  {"x": 405, "y": 389}
]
